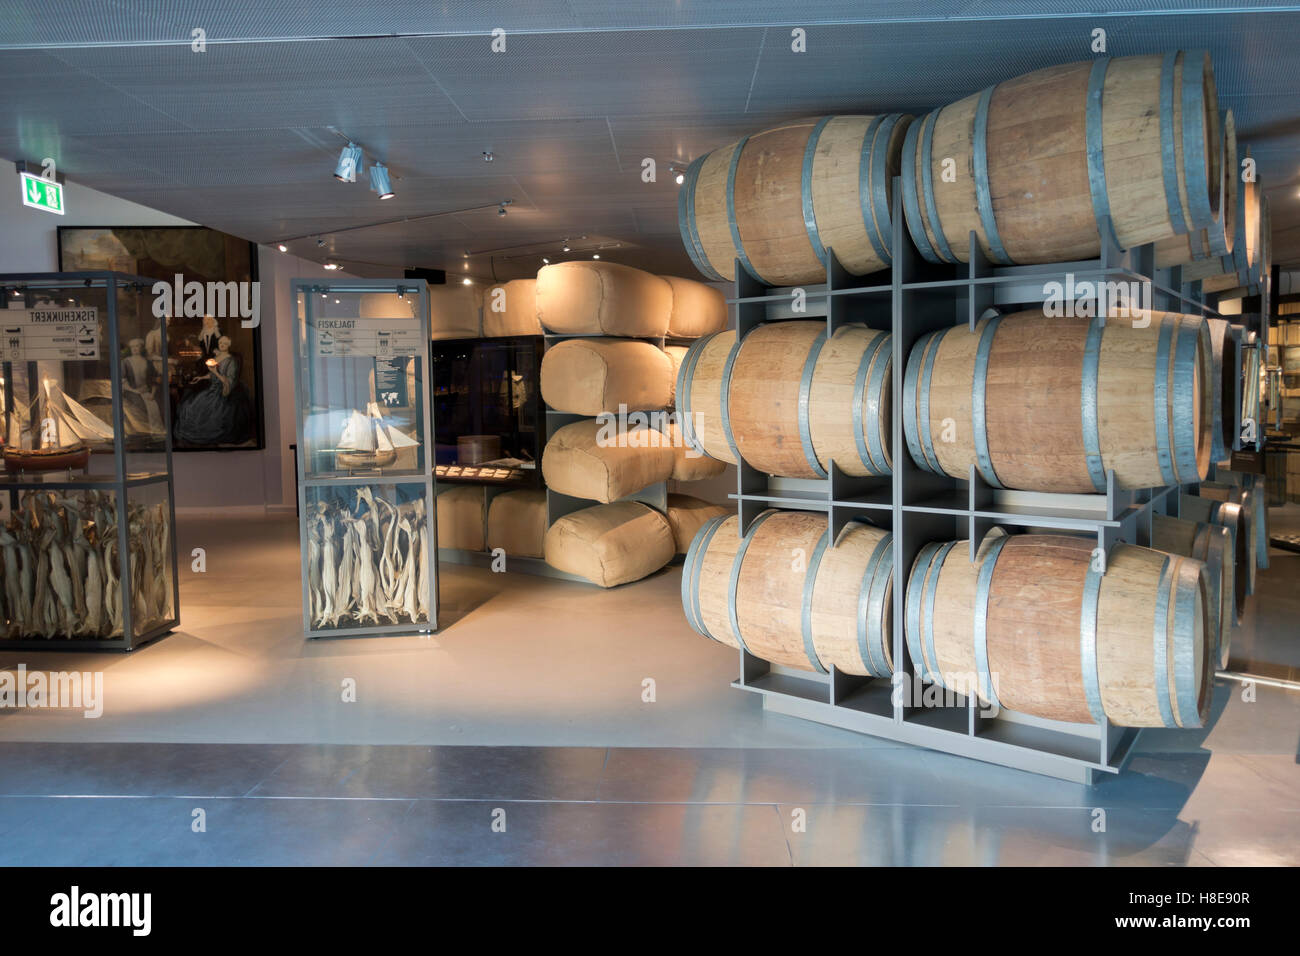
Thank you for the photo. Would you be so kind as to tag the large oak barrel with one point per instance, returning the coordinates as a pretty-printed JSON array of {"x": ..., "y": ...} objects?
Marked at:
[
  {"x": 790, "y": 400},
  {"x": 786, "y": 595},
  {"x": 1211, "y": 544},
  {"x": 1052, "y": 404},
  {"x": 1258, "y": 486},
  {"x": 1225, "y": 372},
  {"x": 777, "y": 200},
  {"x": 1230, "y": 516},
  {"x": 1033, "y": 625},
  {"x": 1242, "y": 266},
  {"x": 1249, "y": 502},
  {"x": 1217, "y": 242},
  {"x": 1041, "y": 159},
  {"x": 797, "y": 399},
  {"x": 700, "y": 396}
]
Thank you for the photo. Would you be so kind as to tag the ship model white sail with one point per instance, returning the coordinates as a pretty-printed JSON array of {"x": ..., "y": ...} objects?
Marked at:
[
  {"x": 368, "y": 441},
  {"x": 66, "y": 431}
]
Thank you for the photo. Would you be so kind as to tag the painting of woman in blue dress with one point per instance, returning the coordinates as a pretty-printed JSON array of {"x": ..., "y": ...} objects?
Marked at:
[{"x": 219, "y": 413}]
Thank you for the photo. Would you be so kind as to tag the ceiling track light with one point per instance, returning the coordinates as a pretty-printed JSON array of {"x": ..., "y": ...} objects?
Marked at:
[
  {"x": 501, "y": 209},
  {"x": 487, "y": 156},
  {"x": 282, "y": 247},
  {"x": 678, "y": 171},
  {"x": 379, "y": 181},
  {"x": 350, "y": 162},
  {"x": 331, "y": 266}
]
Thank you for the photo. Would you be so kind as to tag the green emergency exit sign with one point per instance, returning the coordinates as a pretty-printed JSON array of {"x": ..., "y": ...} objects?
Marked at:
[{"x": 42, "y": 193}]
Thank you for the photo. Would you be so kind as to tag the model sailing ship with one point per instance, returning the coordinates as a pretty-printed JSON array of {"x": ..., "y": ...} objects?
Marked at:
[
  {"x": 368, "y": 441},
  {"x": 66, "y": 429}
]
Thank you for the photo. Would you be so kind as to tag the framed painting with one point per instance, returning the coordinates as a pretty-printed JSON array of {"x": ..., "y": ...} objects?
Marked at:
[{"x": 214, "y": 362}]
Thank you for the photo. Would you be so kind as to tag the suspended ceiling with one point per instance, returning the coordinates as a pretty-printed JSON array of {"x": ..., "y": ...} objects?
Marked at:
[{"x": 244, "y": 135}]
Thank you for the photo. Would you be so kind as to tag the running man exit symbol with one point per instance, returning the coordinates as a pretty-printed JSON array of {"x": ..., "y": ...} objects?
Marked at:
[{"x": 42, "y": 193}]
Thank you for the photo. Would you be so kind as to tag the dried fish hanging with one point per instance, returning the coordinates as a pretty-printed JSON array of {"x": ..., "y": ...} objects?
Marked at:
[
  {"x": 61, "y": 577},
  {"x": 367, "y": 564}
]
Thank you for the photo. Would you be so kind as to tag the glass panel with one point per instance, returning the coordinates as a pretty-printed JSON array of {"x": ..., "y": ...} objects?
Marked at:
[
  {"x": 362, "y": 367},
  {"x": 153, "y": 557},
  {"x": 367, "y": 555},
  {"x": 487, "y": 409},
  {"x": 57, "y": 361},
  {"x": 143, "y": 365},
  {"x": 60, "y": 558}
]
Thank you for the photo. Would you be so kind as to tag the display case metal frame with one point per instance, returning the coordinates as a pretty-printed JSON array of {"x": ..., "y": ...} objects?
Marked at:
[
  {"x": 121, "y": 480},
  {"x": 912, "y": 298},
  {"x": 425, "y": 477}
]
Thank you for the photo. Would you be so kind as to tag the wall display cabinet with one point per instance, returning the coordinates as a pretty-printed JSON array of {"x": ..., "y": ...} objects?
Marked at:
[
  {"x": 87, "y": 543},
  {"x": 365, "y": 461},
  {"x": 488, "y": 408}
]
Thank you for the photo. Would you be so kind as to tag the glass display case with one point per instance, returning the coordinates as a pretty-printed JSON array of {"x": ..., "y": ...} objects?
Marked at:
[
  {"x": 365, "y": 468},
  {"x": 87, "y": 543},
  {"x": 488, "y": 409}
]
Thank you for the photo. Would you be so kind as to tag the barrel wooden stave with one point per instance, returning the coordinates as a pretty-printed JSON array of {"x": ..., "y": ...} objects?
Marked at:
[
  {"x": 1225, "y": 373},
  {"x": 763, "y": 397}
]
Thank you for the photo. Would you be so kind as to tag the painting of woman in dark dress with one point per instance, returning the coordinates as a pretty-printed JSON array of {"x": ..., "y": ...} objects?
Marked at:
[
  {"x": 197, "y": 254},
  {"x": 219, "y": 412}
]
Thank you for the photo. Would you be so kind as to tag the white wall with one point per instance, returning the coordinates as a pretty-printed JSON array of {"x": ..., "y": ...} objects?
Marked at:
[{"x": 250, "y": 481}]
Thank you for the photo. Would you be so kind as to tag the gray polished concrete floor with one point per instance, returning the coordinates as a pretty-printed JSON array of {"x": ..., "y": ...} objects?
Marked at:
[{"x": 527, "y": 710}]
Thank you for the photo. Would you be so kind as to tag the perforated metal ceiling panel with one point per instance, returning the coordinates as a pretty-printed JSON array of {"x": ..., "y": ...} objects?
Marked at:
[{"x": 244, "y": 136}]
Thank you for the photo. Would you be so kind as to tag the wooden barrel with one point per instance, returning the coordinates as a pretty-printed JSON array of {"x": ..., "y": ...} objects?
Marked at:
[
  {"x": 1228, "y": 515},
  {"x": 1052, "y": 404},
  {"x": 1033, "y": 625},
  {"x": 796, "y": 400},
  {"x": 777, "y": 200},
  {"x": 1211, "y": 544},
  {"x": 701, "y": 409},
  {"x": 1258, "y": 485},
  {"x": 1225, "y": 372},
  {"x": 784, "y": 594},
  {"x": 1215, "y": 243},
  {"x": 1242, "y": 267},
  {"x": 1249, "y": 501},
  {"x": 1040, "y": 160}
]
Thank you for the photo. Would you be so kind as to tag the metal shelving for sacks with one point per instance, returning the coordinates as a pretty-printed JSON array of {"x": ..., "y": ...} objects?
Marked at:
[
  {"x": 332, "y": 376},
  {"x": 558, "y": 505},
  {"x": 919, "y": 507}
]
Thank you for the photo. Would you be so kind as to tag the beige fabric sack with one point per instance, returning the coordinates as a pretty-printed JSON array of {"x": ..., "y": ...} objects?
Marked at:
[
  {"x": 461, "y": 518},
  {"x": 689, "y": 465},
  {"x": 575, "y": 463},
  {"x": 610, "y": 544},
  {"x": 602, "y": 298},
  {"x": 517, "y": 522},
  {"x": 518, "y": 301},
  {"x": 454, "y": 312},
  {"x": 698, "y": 309},
  {"x": 590, "y": 376},
  {"x": 687, "y": 514},
  {"x": 676, "y": 354}
]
